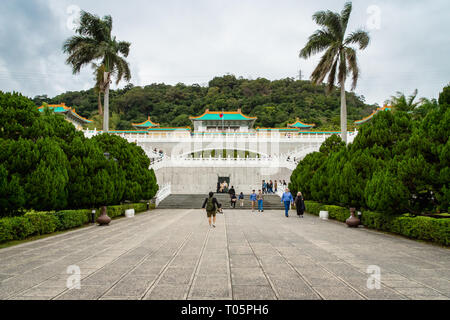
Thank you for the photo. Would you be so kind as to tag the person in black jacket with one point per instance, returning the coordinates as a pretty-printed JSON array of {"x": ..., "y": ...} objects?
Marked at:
[
  {"x": 211, "y": 205},
  {"x": 300, "y": 205}
]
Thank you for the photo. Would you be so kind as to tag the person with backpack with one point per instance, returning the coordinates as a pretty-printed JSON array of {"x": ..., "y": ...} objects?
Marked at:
[
  {"x": 211, "y": 205},
  {"x": 241, "y": 199},
  {"x": 233, "y": 200},
  {"x": 232, "y": 193},
  {"x": 300, "y": 205}
]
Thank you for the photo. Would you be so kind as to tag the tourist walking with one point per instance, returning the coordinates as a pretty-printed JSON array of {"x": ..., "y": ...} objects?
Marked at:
[
  {"x": 276, "y": 186},
  {"x": 300, "y": 205},
  {"x": 264, "y": 186},
  {"x": 253, "y": 199},
  {"x": 232, "y": 193},
  {"x": 211, "y": 205},
  {"x": 270, "y": 187},
  {"x": 260, "y": 199},
  {"x": 287, "y": 199},
  {"x": 233, "y": 200},
  {"x": 241, "y": 199}
]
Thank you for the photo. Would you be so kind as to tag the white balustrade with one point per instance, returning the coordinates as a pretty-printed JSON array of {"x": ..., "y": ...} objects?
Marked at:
[{"x": 163, "y": 193}]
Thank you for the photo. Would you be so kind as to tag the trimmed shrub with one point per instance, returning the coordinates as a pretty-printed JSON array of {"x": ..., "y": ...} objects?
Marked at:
[
  {"x": 43, "y": 222},
  {"x": 420, "y": 228},
  {"x": 40, "y": 223},
  {"x": 313, "y": 207},
  {"x": 116, "y": 211},
  {"x": 70, "y": 219},
  {"x": 141, "y": 207},
  {"x": 338, "y": 213}
]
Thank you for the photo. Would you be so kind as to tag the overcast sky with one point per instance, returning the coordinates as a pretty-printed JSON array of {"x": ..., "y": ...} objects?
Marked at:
[{"x": 191, "y": 41}]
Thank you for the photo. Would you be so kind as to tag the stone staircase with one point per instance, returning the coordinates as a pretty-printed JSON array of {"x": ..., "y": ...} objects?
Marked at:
[{"x": 185, "y": 201}]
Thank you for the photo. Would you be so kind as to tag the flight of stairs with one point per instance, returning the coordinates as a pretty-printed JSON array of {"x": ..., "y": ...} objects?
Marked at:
[{"x": 185, "y": 201}]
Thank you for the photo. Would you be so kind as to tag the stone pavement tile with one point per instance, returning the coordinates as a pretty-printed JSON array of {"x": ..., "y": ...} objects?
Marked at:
[
  {"x": 85, "y": 293},
  {"x": 383, "y": 293},
  {"x": 301, "y": 261},
  {"x": 253, "y": 293},
  {"x": 43, "y": 291},
  {"x": 158, "y": 260},
  {"x": 294, "y": 289},
  {"x": 420, "y": 293},
  {"x": 185, "y": 260},
  {"x": 168, "y": 292},
  {"x": 272, "y": 261},
  {"x": 338, "y": 293},
  {"x": 323, "y": 281},
  {"x": 5, "y": 276},
  {"x": 29, "y": 298},
  {"x": 101, "y": 278},
  {"x": 212, "y": 286},
  {"x": 442, "y": 285},
  {"x": 240, "y": 250},
  {"x": 280, "y": 271},
  {"x": 177, "y": 275},
  {"x": 146, "y": 270},
  {"x": 131, "y": 286},
  {"x": 401, "y": 283},
  {"x": 248, "y": 276},
  {"x": 243, "y": 261},
  {"x": 119, "y": 298}
]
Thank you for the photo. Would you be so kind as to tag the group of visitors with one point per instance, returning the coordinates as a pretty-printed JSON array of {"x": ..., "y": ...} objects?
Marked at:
[
  {"x": 212, "y": 206},
  {"x": 271, "y": 187}
]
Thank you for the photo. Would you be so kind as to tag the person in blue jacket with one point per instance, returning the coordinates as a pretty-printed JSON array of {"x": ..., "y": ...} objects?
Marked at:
[
  {"x": 287, "y": 199},
  {"x": 253, "y": 199}
]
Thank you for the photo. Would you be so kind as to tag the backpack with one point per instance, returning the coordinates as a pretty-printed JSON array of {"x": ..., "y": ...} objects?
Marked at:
[{"x": 210, "y": 205}]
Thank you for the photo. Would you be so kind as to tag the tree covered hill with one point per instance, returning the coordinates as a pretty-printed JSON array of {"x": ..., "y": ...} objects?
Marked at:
[{"x": 275, "y": 103}]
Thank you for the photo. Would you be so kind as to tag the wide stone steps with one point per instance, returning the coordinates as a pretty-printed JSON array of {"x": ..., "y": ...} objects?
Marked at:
[{"x": 184, "y": 201}]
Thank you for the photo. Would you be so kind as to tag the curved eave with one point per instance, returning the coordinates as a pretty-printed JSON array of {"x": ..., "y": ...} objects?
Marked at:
[
  {"x": 207, "y": 112},
  {"x": 278, "y": 129},
  {"x": 146, "y": 124},
  {"x": 61, "y": 108},
  {"x": 301, "y": 125},
  {"x": 359, "y": 122}
]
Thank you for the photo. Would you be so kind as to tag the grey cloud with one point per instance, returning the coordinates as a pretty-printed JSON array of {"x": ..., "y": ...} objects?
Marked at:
[{"x": 193, "y": 41}]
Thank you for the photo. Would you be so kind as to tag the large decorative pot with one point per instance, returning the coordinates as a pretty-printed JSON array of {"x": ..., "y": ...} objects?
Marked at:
[
  {"x": 103, "y": 220},
  {"x": 353, "y": 221}
]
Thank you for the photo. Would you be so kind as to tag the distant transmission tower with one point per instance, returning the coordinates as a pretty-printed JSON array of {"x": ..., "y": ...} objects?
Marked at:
[{"x": 300, "y": 75}]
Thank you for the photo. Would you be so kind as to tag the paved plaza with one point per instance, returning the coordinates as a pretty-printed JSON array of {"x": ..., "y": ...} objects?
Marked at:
[{"x": 173, "y": 254}]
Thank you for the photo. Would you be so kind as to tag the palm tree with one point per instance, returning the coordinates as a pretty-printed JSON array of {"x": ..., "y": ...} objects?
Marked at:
[
  {"x": 99, "y": 88},
  {"x": 94, "y": 42},
  {"x": 340, "y": 56},
  {"x": 401, "y": 103}
]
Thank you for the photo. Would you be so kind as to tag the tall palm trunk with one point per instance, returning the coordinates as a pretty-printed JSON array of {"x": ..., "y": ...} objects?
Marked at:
[
  {"x": 100, "y": 108},
  {"x": 343, "y": 112},
  {"x": 106, "y": 104}
]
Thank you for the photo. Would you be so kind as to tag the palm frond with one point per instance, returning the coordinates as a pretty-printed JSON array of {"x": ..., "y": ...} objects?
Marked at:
[
  {"x": 359, "y": 37},
  {"x": 352, "y": 62},
  {"x": 319, "y": 41},
  {"x": 345, "y": 15},
  {"x": 331, "y": 21},
  {"x": 324, "y": 66}
]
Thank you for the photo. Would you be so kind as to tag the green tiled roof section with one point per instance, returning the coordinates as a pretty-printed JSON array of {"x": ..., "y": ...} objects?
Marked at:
[
  {"x": 62, "y": 110},
  {"x": 168, "y": 129},
  {"x": 226, "y": 117},
  {"x": 301, "y": 125},
  {"x": 147, "y": 124},
  {"x": 55, "y": 109}
]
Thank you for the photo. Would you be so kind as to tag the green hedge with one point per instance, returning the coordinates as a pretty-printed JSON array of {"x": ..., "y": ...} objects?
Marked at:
[
  {"x": 314, "y": 207},
  {"x": 420, "y": 228},
  {"x": 40, "y": 223}
]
